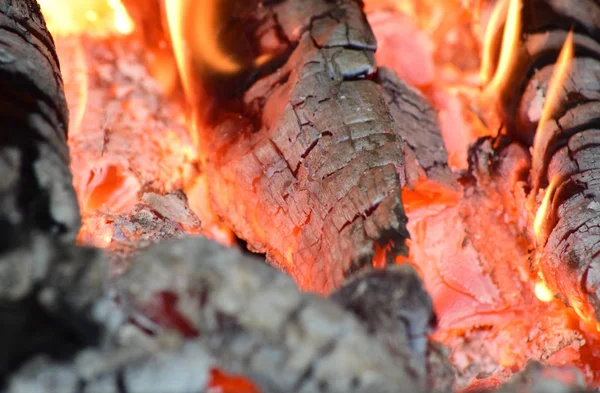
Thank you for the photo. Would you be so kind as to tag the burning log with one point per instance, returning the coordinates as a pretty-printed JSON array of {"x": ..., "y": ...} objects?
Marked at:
[
  {"x": 558, "y": 115},
  {"x": 315, "y": 180},
  {"x": 36, "y": 193}
]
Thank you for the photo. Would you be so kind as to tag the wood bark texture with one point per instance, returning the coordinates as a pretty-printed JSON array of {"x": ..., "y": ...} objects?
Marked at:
[
  {"x": 566, "y": 159},
  {"x": 315, "y": 181},
  {"x": 36, "y": 192}
]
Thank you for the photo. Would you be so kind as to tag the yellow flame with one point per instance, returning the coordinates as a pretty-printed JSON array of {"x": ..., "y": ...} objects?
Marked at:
[
  {"x": 193, "y": 26},
  {"x": 92, "y": 17},
  {"x": 510, "y": 43},
  {"x": 122, "y": 22},
  {"x": 542, "y": 212},
  {"x": 175, "y": 10},
  {"x": 551, "y": 105},
  {"x": 542, "y": 292},
  {"x": 497, "y": 17}
]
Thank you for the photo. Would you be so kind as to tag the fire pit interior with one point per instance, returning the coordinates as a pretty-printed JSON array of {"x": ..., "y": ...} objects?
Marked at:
[{"x": 300, "y": 195}]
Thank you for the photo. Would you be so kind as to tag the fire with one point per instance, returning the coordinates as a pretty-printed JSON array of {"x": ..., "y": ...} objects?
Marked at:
[
  {"x": 91, "y": 17},
  {"x": 193, "y": 29},
  {"x": 542, "y": 292},
  {"x": 496, "y": 19},
  {"x": 553, "y": 96},
  {"x": 542, "y": 212},
  {"x": 193, "y": 24},
  {"x": 510, "y": 43},
  {"x": 542, "y": 136},
  {"x": 175, "y": 11}
]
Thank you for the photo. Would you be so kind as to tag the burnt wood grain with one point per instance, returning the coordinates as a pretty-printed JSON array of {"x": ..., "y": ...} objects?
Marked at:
[
  {"x": 36, "y": 192},
  {"x": 314, "y": 181}
]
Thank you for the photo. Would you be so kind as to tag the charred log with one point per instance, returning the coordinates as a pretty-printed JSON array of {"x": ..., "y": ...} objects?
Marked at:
[
  {"x": 36, "y": 192},
  {"x": 565, "y": 158},
  {"x": 315, "y": 181}
]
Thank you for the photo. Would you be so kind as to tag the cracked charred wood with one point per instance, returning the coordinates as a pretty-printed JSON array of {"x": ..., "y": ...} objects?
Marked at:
[
  {"x": 425, "y": 154},
  {"x": 315, "y": 180},
  {"x": 565, "y": 154},
  {"x": 396, "y": 309},
  {"x": 254, "y": 321},
  {"x": 53, "y": 301},
  {"x": 36, "y": 192}
]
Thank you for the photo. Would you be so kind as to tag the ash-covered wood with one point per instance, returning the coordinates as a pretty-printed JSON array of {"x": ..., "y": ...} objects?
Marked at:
[
  {"x": 187, "y": 306},
  {"x": 395, "y": 308},
  {"x": 36, "y": 193},
  {"x": 53, "y": 302},
  {"x": 566, "y": 158},
  {"x": 156, "y": 217},
  {"x": 315, "y": 181},
  {"x": 255, "y": 321}
]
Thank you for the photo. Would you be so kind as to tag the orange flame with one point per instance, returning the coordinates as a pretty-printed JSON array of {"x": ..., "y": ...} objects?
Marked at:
[
  {"x": 193, "y": 26},
  {"x": 496, "y": 19},
  {"x": 542, "y": 212},
  {"x": 543, "y": 136},
  {"x": 92, "y": 17},
  {"x": 510, "y": 42}
]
